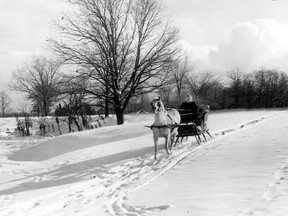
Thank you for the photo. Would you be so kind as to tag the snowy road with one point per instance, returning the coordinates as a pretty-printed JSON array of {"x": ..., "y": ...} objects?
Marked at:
[
  {"x": 238, "y": 174},
  {"x": 111, "y": 171}
]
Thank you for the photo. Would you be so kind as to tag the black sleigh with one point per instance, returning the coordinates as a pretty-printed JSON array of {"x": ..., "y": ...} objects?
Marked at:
[{"x": 194, "y": 125}]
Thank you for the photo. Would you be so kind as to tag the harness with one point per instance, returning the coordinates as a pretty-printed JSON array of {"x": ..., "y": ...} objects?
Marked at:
[{"x": 164, "y": 126}]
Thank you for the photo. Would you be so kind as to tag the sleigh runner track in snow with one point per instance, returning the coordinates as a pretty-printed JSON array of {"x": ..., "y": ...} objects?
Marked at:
[
  {"x": 159, "y": 167},
  {"x": 108, "y": 187}
]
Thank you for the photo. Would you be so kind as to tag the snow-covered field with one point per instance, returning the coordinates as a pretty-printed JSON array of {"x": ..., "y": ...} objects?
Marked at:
[{"x": 111, "y": 170}]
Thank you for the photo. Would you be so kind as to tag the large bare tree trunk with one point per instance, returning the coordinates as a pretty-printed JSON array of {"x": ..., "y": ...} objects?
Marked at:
[
  {"x": 120, "y": 116},
  {"x": 106, "y": 102}
]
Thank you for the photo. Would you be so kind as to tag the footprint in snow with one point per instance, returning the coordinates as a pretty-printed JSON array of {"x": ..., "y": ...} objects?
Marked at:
[
  {"x": 78, "y": 195},
  {"x": 86, "y": 201},
  {"x": 39, "y": 178},
  {"x": 6, "y": 197},
  {"x": 269, "y": 194},
  {"x": 138, "y": 210},
  {"x": 6, "y": 200},
  {"x": 280, "y": 174}
]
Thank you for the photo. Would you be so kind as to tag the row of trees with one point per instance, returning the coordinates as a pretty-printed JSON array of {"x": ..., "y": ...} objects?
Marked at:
[{"x": 262, "y": 88}]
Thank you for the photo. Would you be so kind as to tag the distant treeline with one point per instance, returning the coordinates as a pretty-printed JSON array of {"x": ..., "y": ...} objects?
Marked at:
[
  {"x": 79, "y": 109},
  {"x": 264, "y": 88}
]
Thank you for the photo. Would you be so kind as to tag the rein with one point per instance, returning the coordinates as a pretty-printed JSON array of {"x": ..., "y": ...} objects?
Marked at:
[
  {"x": 164, "y": 126},
  {"x": 158, "y": 126}
]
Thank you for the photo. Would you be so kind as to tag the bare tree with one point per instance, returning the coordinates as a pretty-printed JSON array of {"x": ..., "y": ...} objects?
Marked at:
[
  {"x": 219, "y": 96},
  {"x": 271, "y": 87},
  {"x": 202, "y": 83},
  {"x": 248, "y": 90},
  {"x": 73, "y": 97},
  {"x": 281, "y": 97},
  {"x": 126, "y": 47},
  {"x": 24, "y": 107},
  {"x": 276, "y": 87},
  {"x": 236, "y": 85},
  {"x": 5, "y": 102},
  {"x": 180, "y": 73},
  {"x": 260, "y": 80},
  {"x": 40, "y": 80},
  {"x": 166, "y": 93}
]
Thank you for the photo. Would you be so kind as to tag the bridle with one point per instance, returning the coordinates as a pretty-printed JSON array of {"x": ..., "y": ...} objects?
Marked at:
[{"x": 156, "y": 106}]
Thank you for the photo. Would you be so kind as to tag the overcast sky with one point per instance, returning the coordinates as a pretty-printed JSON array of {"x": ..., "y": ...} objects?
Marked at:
[
  {"x": 217, "y": 34},
  {"x": 223, "y": 34}
]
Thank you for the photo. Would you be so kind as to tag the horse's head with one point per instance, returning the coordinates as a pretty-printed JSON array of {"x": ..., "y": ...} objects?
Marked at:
[{"x": 157, "y": 105}]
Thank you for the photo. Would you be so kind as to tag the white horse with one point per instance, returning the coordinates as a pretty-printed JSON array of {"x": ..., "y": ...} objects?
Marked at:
[{"x": 163, "y": 125}]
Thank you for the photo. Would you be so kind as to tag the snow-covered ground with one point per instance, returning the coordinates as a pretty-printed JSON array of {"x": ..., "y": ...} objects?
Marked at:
[{"x": 111, "y": 170}]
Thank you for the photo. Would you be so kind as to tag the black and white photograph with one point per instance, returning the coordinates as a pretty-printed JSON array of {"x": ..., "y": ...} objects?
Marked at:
[{"x": 143, "y": 107}]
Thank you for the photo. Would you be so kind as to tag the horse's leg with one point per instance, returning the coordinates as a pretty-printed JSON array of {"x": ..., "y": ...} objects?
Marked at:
[
  {"x": 167, "y": 142},
  {"x": 176, "y": 141},
  {"x": 156, "y": 146},
  {"x": 172, "y": 140}
]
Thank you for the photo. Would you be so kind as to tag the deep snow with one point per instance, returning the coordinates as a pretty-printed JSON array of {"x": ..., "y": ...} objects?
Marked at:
[{"x": 111, "y": 170}]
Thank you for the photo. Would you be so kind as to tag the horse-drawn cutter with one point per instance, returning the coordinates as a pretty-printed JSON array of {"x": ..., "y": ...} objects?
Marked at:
[{"x": 173, "y": 123}]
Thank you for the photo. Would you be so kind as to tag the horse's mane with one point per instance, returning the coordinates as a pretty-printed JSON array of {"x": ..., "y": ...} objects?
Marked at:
[{"x": 162, "y": 105}]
